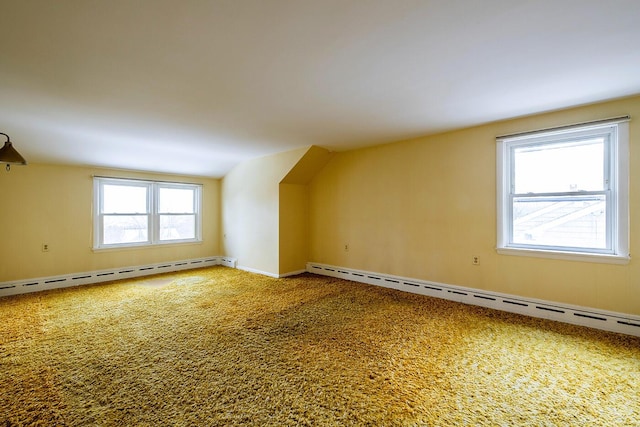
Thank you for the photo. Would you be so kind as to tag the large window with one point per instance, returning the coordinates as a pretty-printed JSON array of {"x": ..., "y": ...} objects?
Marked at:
[
  {"x": 564, "y": 192},
  {"x": 135, "y": 213}
]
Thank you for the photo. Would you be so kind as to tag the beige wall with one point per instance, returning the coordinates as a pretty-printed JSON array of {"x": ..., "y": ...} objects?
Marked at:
[
  {"x": 294, "y": 227},
  {"x": 423, "y": 208},
  {"x": 251, "y": 209},
  {"x": 53, "y": 204},
  {"x": 265, "y": 219},
  {"x": 294, "y": 210}
]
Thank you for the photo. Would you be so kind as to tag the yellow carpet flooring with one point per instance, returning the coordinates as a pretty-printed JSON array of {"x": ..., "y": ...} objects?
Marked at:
[{"x": 223, "y": 347}]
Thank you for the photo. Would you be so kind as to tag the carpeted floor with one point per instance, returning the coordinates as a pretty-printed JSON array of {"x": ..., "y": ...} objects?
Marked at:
[{"x": 218, "y": 347}]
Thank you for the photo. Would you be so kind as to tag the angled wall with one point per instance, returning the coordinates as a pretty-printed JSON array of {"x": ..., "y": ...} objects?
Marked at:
[
  {"x": 250, "y": 211},
  {"x": 265, "y": 211},
  {"x": 294, "y": 210}
]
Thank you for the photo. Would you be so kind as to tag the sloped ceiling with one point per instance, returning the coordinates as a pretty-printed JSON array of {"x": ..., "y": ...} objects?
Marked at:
[{"x": 194, "y": 87}]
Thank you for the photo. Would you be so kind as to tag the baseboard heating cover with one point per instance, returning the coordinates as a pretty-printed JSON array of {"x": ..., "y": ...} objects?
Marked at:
[
  {"x": 77, "y": 279},
  {"x": 593, "y": 318}
]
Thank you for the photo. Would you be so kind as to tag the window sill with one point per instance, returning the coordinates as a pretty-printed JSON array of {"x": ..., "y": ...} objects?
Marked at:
[
  {"x": 567, "y": 256},
  {"x": 145, "y": 246}
]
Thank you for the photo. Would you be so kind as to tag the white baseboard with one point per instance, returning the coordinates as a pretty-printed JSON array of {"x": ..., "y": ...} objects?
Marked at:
[
  {"x": 76, "y": 279},
  {"x": 253, "y": 270},
  {"x": 292, "y": 273},
  {"x": 266, "y": 273},
  {"x": 584, "y": 316}
]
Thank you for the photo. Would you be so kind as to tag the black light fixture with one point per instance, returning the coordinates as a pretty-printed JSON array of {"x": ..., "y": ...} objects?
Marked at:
[{"x": 9, "y": 155}]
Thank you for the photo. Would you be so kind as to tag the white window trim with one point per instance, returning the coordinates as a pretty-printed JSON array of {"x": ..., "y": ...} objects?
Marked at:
[
  {"x": 154, "y": 215},
  {"x": 619, "y": 152}
]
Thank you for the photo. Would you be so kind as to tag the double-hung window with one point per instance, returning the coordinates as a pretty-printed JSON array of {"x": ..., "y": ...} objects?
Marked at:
[
  {"x": 564, "y": 192},
  {"x": 137, "y": 213}
]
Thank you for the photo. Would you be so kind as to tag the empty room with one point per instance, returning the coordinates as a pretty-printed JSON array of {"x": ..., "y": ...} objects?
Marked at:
[{"x": 319, "y": 213}]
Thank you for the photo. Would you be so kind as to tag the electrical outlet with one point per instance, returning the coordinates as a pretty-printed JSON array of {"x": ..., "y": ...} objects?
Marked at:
[
  {"x": 346, "y": 248},
  {"x": 45, "y": 247},
  {"x": 476, "y": 260}
]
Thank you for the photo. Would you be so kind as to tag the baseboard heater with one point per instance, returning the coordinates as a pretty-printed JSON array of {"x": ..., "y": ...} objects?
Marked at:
[
  {"x": 77, "y": 279},
  {"x": 593, "y": 318}
]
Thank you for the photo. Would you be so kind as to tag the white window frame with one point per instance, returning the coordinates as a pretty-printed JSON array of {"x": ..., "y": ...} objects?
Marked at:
[
  {"x": 153, "y": 214},
  {"x": 617, "y": 192}
]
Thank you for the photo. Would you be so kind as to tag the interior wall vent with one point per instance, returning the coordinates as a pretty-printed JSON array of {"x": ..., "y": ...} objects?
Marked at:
[
  {"x": 593, "y": 318},
  {"x": 77, "y": 279}
]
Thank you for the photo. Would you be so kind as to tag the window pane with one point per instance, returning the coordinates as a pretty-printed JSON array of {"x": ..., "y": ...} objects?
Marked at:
[
  {"x": 578, "y": 221},
  {"x": 124, "y": 199},
  {"x": 559, "y": 168},
  {"x": 176, "y": 200},
  {"x": 177, "y": 227},
  {"x": 125, "y": 229}
]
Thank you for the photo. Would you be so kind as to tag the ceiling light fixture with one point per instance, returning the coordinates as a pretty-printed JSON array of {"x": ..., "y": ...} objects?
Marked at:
[{"x": 9, "y": 155}]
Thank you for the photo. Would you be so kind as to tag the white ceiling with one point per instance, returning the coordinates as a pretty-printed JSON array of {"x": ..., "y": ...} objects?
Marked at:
[{"x": 194, "y": 87}]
